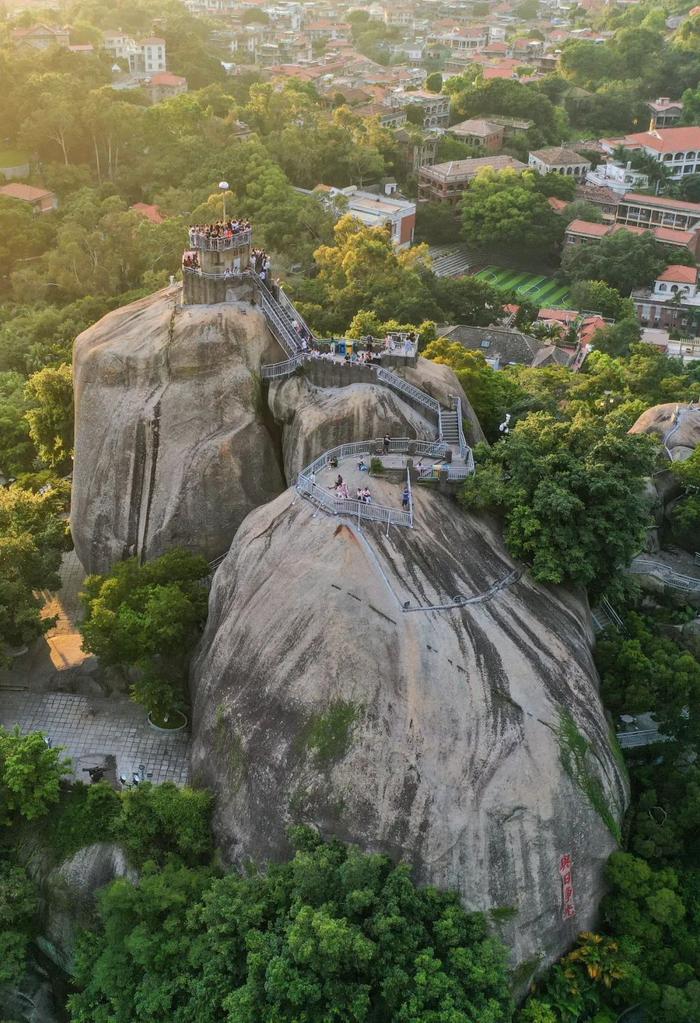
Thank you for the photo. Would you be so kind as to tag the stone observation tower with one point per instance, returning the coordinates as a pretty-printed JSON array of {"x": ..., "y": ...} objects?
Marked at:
[{"x": 216, "y": 267}]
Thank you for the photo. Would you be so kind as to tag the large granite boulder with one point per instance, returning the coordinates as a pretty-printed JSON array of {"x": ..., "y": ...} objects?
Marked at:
[
  {"x": 468, "y": 740},
  {"x": 676, "y": 424},
  {"x": 172, "y": 443}
]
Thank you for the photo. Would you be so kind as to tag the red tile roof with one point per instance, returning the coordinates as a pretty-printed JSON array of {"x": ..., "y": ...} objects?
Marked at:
[
  {"x": 660, "y": 200},
  {"x": 25, "y": 192},
  {"x": 668, "y": 140},
  {"x": 588, "y": 227},
  {"x": 679, "y": 274},
  {"x": 166, "y": 78},
  {"x": 151, "y": 213}
]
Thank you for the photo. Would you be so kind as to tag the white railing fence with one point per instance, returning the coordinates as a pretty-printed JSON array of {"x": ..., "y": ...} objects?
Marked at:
[
  {"x": 209, "y": 244},
  {"x": 645, "y": 566}
]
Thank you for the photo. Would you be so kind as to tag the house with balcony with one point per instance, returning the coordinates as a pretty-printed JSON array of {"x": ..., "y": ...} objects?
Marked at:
[
  {"x": 678, "y": 149},
  {"x": 445, "y": 182},
  {"x": 558, "y": 160},
  {"x": 672, "y": 303},
  {"x": 435, "y": 106},
  {"x": 483, "y": 134},
  {"x": 658, "y": 211},
  {"x": 665, "y": 112},
  {"x": 618, "y": 177},
  {"x": 376, "y": 209},
  {"x": 146, "y": 57}
]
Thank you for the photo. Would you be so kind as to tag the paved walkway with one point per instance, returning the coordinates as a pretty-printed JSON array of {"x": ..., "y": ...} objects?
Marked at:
[{"x": 94, "y": 728}]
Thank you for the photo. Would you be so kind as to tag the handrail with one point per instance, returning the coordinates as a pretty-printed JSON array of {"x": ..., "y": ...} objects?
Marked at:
[
  {"x": 217, "y": 244},
  {"x": 642, "y": 566},
  {"x": 282, "y": 331},
  {"x": 403, "y": 386},
  {"x": 347, "y": 506},
  {"x": 288, "y": 307},
  {"x": 285, "y": 368}
]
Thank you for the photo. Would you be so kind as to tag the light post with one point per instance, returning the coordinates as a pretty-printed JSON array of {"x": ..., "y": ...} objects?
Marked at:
[{"x": 223, "y": 188}]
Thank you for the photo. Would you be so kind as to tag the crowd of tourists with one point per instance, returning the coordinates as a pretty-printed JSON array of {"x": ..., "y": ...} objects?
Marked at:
[
  {"x": 224, "y": 229},
  {"x": 261, "y": 263}
]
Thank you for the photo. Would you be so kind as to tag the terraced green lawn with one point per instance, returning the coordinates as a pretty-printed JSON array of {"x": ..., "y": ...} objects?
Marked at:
[{"x": 544, "y": 291}]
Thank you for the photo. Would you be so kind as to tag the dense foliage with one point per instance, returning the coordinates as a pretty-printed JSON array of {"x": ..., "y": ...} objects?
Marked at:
[
  {"x": 146, "y": 617},
  {"x": 571, "y": 499},
  {"x": 332, "y": 934},
  {"x": 30, "y": 775}
]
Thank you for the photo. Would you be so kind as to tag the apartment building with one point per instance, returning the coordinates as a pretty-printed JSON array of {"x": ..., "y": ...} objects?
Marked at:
[
  {"x": 657, "y": 211},
  {"x": 673, "y": 302},
  {"x": 435, "y": 106},
  {"x": 557, "y": 160},
  {"x": 143, "y": 57}
]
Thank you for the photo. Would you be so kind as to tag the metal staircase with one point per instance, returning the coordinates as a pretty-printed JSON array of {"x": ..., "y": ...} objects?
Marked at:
[{"x": 451, "y": 427}]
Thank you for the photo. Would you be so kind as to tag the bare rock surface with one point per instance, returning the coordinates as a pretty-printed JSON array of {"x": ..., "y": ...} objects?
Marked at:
[
  {"x": 440, "y": 382},
  {"x": 314, "y": 419},
  {"x": 437, "y": 736},
  {"x": 172, "y": 447},
  {"x": 677, "y": 424}
]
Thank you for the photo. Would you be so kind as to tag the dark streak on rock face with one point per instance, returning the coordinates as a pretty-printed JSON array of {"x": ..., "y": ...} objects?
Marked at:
[{"x": 454, "y": 763}]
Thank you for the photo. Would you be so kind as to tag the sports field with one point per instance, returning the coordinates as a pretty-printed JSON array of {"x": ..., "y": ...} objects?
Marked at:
[{"x": 543, "y": 291}]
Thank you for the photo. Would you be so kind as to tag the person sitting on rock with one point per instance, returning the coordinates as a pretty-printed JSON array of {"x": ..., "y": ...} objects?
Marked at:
[
  {"x": 362, "y": 465},
  {"x": 338, "y": 482}
]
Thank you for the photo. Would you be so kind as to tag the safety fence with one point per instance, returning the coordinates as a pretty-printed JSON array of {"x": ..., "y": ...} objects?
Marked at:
[
  {"x": 207, "y": 243},
  {"x": 645, "y": 566}
]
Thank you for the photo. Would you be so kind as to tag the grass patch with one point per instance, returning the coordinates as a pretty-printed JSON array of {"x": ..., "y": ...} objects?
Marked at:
[
  {"x": 544, "y": 291},
  {"x": 575, "y": 752},
  {"x": 500, "y": 914},
  {"x": 328, "y": 735}
]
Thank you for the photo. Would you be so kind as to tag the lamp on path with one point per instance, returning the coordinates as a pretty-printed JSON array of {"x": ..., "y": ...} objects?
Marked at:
[{"x": 223, "y": 187}]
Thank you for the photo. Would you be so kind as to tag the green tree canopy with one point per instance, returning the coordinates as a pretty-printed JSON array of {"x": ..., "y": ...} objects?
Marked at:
[
  {"x": 504, "y": 209},
  {"x": 147, "y": 616},
  {"x": 571, "y": 497},
  {"x": 623, "y": 260},
  {"x": 30, "y": 775},
  {"x": 332, "y": 934}
]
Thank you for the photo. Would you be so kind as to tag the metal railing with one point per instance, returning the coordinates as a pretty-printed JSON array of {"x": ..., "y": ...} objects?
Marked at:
[
  {"x": 209, "y": 244},
  {"x": 221, "y": 275},
  {"x": 279, "y": 327},
  {"x": 397, "y": 383},
  {"x": 285, "y": 368},
  {"x": 356, "y": 509},
  {"x": 644, "y": 737},
  {"x": 645, "y": 566},
  {"x": 291, "y": 311}
]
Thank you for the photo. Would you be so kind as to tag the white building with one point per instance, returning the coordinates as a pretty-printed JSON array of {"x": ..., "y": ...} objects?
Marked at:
[
  {"x": 146, "y": 57},
  {"x": 374, "y": 210},
  {"x": 677, "y": 148},
  {"x": 557, "y": 160},
  {"x": 616, "y": 177}
]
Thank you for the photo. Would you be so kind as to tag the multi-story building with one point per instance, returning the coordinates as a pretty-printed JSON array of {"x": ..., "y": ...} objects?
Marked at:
[
  {"x": 375, "y": 210},
  {"x": 583, "y": 232},
  {"x": 617, "y": 177},
  {"x": 435, "y": 106},
  {"x": 146, "y": 57},
  {"x": 665, "y": 112},
  {"x": 658, "y": 211},
  {"x": 461, "y": 40},
  {"x": 419, "y": 148},
  {"x": 558, "y": 160},
  {"x": 678, "y": 149},
  {"x": 445, "y": 182},
  {"x": 673, "y": 303},
  {"x": 477, "y": 132},
  {"x": 389, "y": 117}
]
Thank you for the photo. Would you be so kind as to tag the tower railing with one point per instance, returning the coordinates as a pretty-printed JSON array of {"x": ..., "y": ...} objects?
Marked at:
[{"x": 210, "y": 243}]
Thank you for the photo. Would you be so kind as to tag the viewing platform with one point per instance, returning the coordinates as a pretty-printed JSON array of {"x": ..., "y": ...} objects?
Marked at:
[{"x": 220, "y": 243}]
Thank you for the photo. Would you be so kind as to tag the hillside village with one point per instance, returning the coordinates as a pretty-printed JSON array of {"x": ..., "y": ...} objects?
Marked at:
[{"x": 349, "y": 514}]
